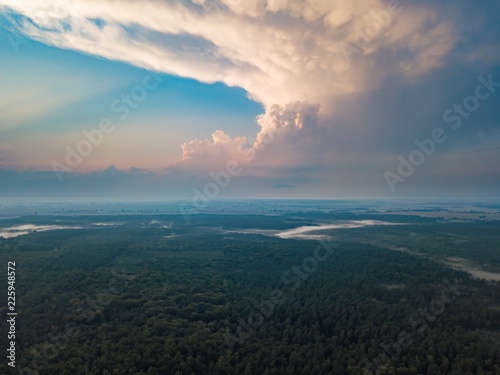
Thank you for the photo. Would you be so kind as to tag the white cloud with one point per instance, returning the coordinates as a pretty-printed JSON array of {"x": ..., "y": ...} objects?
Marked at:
[
  {"x": 215, "y": 153},
  {"x": 278, "y": 50},
  {"x": 285, "y": 53},
  {"x": 282, "y": 130}
]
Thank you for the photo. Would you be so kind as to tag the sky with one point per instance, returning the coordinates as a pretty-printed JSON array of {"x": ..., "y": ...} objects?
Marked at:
[{"x": 208, "y": 99}]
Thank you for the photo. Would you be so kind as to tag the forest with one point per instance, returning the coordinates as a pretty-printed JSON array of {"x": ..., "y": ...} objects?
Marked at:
[{"x": 155, "y": 295}]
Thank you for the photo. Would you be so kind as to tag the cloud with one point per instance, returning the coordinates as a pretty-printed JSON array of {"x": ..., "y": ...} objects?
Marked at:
[
  {"x": 279, "y": 51},
  {"x": 215, "y": 153},
  {"x": 291, "y": 118},
  {"x": 300, "y": 58},
  {"x": 282, "y": 130}
]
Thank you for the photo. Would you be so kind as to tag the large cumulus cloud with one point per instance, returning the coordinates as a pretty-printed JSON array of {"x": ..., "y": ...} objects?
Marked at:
[
  {"x": 294, "y": 56},
  {"x": 278, "y": 50},
  {"x": 283, "y": 129}
]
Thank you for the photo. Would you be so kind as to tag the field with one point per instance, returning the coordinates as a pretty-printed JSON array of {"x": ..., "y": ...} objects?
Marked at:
[{"x": 225, "y": 293}]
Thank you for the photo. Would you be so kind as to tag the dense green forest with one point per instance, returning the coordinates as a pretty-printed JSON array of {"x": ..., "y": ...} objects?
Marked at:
[{"x": 158, "y": 296}]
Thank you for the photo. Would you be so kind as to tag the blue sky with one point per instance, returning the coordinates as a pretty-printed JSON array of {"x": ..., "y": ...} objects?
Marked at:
[
  {"x": 67, "y": 91},
  {"x": 310, "y": 99}
]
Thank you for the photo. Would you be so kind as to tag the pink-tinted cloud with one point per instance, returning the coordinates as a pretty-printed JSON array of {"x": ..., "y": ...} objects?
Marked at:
[{"x": 297, "y": 57}]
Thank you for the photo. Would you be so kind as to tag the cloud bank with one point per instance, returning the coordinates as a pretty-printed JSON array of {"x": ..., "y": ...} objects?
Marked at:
[
  {"x": 296, "y": 57},
  {"x": 278, "y": 50}
]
